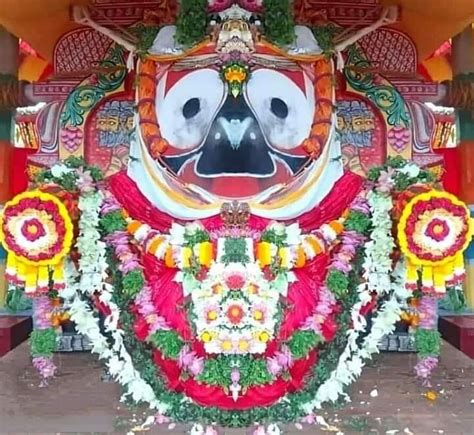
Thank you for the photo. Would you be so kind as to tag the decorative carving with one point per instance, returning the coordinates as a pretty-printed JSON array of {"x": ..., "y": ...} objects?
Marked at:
[
  {"x": 78, "y": 50},
  {"x": 390, "y": 50},
  {"x": 235, "y": 214}
]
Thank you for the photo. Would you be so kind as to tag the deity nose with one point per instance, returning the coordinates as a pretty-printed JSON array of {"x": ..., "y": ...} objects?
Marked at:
[
  {"x": 235, "y": 130},
  {"x": 235, "y": 144}
]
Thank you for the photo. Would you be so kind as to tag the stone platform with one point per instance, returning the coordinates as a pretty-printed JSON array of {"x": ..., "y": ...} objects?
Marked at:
[
  {"x": 459, "y": 331},
  {"x": 14, "y": 330},
  {"x": 78, "y": 402}
]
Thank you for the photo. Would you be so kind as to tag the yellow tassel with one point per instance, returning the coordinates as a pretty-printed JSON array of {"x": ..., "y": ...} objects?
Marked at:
[
  {"x": 412, "y": 273},
  {"x": 206, "y": 254},
  {"x": 31, "y": 280},
  {"x": 264, "y": 254},
  {"x": 439, "y": 280},
  {"x": 186, "y": 254},
  {"x": 11, "y": 267},
  {"x": 427, "y": 278},
  {"x": 58, "y": 276},
  {"x": 459, "y": 262},
  {"x": 285, "y": 257},
  {"x": 21, "y": 271},
  {"x": 43, "y": 277}
]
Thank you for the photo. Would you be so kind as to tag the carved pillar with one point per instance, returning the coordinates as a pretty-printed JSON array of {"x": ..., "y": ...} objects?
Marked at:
[
  {"x": 463, "y": 68},
  {"x": 8, "y": 66}
]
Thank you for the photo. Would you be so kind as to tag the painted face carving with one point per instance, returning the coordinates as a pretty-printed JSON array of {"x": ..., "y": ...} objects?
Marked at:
[{"x": 235, "y": 147}]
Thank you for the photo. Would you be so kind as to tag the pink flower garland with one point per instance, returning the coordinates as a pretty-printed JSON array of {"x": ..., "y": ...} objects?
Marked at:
[
  {"x": 42, "y": 309},
  {"x": 129, "y": 262},
  {"x": 428, "y": 311}
]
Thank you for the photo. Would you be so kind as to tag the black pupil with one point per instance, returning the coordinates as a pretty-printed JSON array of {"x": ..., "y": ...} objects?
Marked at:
[
  {"x": 279, "y": 108},
  {"x": 191, "y": 108}
]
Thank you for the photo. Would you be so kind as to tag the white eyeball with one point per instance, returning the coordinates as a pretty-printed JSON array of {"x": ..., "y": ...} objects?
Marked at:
[
  {"x": 186, "y": 111},
  {"x": 283, "y": 110}
]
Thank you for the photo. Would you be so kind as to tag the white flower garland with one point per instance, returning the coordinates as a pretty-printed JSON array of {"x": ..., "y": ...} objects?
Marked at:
[
  {"x": 380, "y": 278},
  {"x": 377, "y": 273},
  {"x": 90, "y": 278}
]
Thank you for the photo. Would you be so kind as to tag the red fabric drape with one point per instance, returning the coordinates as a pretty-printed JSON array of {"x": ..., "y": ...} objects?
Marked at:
[
  {"x": 452, "y": 174},
  {"x": 139, "y": 208},
  {"x": 168, "y": 299},
  {"x": 18, "y": 166}
]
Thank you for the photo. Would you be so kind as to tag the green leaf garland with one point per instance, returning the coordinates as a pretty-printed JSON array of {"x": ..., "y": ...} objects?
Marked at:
[
  {"x": 169, "y": 343},
  {"x": 43, "y": 342}
]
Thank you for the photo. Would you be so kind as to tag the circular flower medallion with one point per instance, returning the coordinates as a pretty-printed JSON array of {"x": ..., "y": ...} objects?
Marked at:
[
  {"x": 36, "y": 228},
  {"x": 434, "y": 228}
]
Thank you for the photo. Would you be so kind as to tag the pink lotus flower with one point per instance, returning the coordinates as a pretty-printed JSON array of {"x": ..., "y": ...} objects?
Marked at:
[
  {"x": 260, "y": 431},
  {"x": 235, "y": 281},
  {"x": 386, "y": 182},
  {"x": 284, "y": 357},
  {"x": 274, "y": 366},
  {"x": 196, "y": 367}
]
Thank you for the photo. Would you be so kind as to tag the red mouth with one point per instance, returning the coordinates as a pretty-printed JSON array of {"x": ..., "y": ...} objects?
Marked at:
[{"x": 237, "y": 186}]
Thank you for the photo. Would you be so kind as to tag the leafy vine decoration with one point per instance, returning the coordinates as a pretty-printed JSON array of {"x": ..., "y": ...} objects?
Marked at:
[{"x": 85, "y": 97}]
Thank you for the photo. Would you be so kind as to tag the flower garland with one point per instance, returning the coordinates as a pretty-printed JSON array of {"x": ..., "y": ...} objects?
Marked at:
[
  {"x": 434, "y": 230},
  {"x": 360, "y": 279},
  {"x": 90, "y": 280},
  {"x": 43, "y": 339},
  {"x": 383, "y": 322},
  {"x": 37, "y": 232}
]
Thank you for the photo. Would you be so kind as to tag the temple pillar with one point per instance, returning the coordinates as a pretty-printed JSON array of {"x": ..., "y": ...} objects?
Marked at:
[
  {"x": 463, "y": 69},
  {"x": 9, "y": 57}
]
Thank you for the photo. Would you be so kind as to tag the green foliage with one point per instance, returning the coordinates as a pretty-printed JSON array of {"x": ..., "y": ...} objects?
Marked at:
[
  {"x": 112, "y": 222},
  {"x": 216, "y": 371},
  {"x": 192, "y": 22},
  {"x": 168, "y": 343},
  {"x": 303, "y": 342},
  {"x": 146, "y": 36},
  {"x": 68, "y": 181},
  {"x": 337, "y": 282},
  {"x": 133, "y": 282},
  {"x": 427, "y": 342},
  {"x": 195, "y": 238},
  {"x": 358, "y": 222},
  {"x": 325, "y": 36},
  {"x": 235, "y": 251},
  {"x": 43, "y": 342},
  {"x": 17, "y": 301},
  {"x": 278, "y": 21},
  {"x": 253, "y": 371},
  {"x": 271, "y": 236},
  {"x": 454, "y": 300},
  {"x": 402, "y": 180}
]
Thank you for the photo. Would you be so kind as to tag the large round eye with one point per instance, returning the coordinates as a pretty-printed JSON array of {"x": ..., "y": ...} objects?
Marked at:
[
  {"x": 284, "y": 111},
  {"x": 191, "y": 108},
  {"x": 187, "y": 107},
  {"x": 279, "y": 108}
]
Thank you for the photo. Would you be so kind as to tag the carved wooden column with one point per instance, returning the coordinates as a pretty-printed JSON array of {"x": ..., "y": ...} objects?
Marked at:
[
  {"x": 463, "y": 69},
  {"x": 8, "y": 66}
]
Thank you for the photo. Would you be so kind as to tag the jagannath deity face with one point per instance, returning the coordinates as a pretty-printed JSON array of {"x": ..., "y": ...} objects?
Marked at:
[
  {"x": 235, "y": 119},
  {"x": 235, "y": 146}
]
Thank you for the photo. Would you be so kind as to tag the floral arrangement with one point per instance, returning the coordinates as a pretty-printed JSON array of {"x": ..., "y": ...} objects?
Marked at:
[
  {"x": 37, "y": 232},
  {"x": 199, "y": 320}
]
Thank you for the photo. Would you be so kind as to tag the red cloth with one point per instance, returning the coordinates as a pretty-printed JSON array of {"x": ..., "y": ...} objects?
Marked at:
[
  {"x": 18, "y": 175},
  {"x": 265, "y": 395},
  {"x": 168, "y": 299},
  {"x": 139, "y": 208},
  {"x": 451, "y": 177}
]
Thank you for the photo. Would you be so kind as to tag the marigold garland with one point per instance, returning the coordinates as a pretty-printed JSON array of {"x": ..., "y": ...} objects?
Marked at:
[
  {"x": 435, "y": 229},
  {"x": 37, "y": 232}
]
